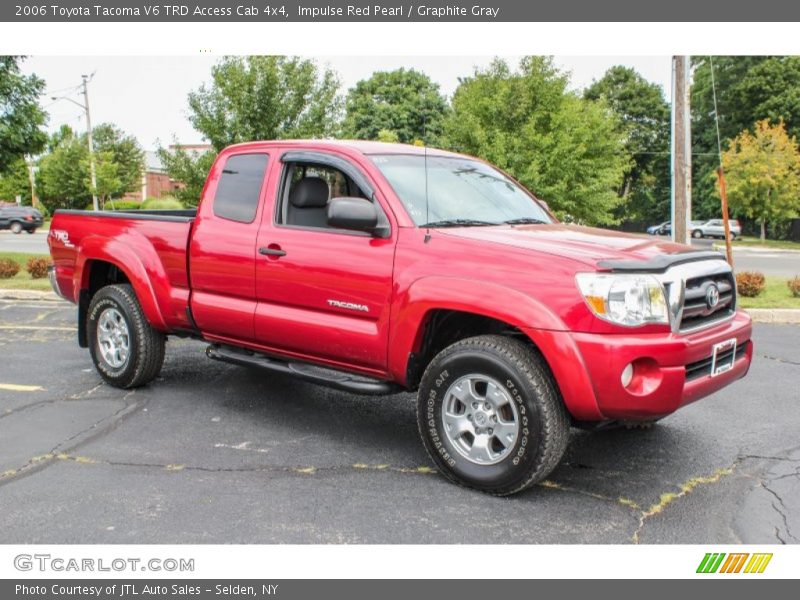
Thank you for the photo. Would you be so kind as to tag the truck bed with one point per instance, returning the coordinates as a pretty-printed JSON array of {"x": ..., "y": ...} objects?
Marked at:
[{"x": 152, "y": 244}]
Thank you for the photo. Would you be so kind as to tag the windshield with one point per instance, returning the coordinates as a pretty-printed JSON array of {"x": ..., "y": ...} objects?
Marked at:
[{"x": 460, "y": 191}]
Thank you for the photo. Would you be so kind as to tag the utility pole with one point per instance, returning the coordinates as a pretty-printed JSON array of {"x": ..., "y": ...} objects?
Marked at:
[
  {"x": 31, "y": 180},
  {"x": 92, "y": 171},
  {"x": 85, "y": 107},
  {"x": 681, "y": 150}
]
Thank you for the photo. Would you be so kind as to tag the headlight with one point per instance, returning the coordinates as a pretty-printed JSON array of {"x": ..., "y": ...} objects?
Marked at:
[{"x": 628, "y": 300}]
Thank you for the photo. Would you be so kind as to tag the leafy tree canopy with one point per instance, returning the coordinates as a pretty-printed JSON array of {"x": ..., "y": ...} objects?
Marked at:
[
  {"x": 21, "y": 117},
  {"x": 644, "y": 118},
  {"x": 569, "y": 151},
  {"x": 404, "y": 102},
  {"x": 763, "y": 173},
  {"x": 265, "y": 97},
  {"x": 749, "y": 89}
]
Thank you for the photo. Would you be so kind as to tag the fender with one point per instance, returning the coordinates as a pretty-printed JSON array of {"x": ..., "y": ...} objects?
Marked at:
[
  {"x": 141, "y": 266},
  {"x": 544, "y": 327},
  {"x": 410, "y": 310}
]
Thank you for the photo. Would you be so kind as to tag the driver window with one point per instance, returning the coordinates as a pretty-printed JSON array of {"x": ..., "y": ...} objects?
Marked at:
[{"x": 307, "y": 189}]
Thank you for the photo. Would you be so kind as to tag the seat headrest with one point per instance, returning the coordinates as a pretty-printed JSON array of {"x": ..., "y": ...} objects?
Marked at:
[{"x": 309, "y": 192}]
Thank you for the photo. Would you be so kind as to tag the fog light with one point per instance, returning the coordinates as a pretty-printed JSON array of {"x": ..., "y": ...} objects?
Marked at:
[{"x": 627, "y": 375}]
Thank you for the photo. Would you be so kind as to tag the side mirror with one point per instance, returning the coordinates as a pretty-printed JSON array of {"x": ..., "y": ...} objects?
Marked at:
[
  {"x": 356, "y": 214},
  {"x": 545, "y": 204}
]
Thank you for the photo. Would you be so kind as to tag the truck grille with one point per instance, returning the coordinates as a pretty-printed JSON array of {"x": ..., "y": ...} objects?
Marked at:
[{"x": 699, "y": 309}]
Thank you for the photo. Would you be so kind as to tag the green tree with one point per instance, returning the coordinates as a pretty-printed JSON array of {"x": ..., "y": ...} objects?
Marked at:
[
  {"x": 21, "y": 117},
  {"x": 62, "y": 180},
  {"x": 763, "y": 174},
  {"x": 255, "y": 98},
  {"x": 749, "y": 89},
  {"x": 404, "y": 101},
  {"x": 14, "y": 182},
  {"x": 644, "y": 118},
  {"x": 124, "y": 152},
  {"x": 64, "y": 175},
  {"x": 569, "y": 151},
  {"x": 265, "y": 97},
  {"x": 189, "y": 168},
  {"x": 107, "y": 176}
]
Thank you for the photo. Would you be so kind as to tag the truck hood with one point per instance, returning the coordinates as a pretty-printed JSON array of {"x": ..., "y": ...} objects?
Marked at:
[{"x": 584, "y": 244}]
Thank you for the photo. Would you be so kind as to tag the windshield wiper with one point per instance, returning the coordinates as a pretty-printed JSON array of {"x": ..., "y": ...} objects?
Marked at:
[
  {"x": 457, "y": 223},
  {"x": 525, "y": 221}
]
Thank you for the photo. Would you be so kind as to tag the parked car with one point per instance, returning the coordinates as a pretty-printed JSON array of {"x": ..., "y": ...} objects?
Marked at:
[
  {"x": 715, "y": 228},
  {"x": 20, "y": 218},
  {"x": 660, "y": 229},
  {"x": 376, "y": 268}
]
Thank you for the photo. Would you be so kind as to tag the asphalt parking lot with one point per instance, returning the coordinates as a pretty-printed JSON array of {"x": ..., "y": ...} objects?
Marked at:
[{"x": 213, "y": 453}]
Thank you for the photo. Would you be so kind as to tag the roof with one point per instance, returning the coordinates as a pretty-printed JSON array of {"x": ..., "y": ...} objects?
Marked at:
[{"x": 362, "y": 146}]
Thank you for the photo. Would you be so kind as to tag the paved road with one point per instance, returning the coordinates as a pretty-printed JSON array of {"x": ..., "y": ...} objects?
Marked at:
[
  {"x": 34, "y": 243},
  {"x": 770, "y": 262},
  {"x": 216, "y": 453}
]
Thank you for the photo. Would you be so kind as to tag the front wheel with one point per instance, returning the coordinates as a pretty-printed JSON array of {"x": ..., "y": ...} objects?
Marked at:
[
  {"x": 697, "y": 234},
  {"x": 125, "y": 348},
  {"x": 30, "y": 231},
  {"x": 490, "y": 415},
  {"x": 16, "y": 228}
]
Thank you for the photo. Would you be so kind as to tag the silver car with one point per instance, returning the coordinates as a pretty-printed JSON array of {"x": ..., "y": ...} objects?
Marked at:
[{"x": 715, "y": 228}]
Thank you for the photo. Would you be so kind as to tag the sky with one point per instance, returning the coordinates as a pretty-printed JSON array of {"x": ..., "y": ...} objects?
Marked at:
[{"x": 147, "y": 96}]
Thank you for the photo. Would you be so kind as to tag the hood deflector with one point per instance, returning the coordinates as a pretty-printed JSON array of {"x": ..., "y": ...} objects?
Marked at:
[{"x": 660, "y": 263}]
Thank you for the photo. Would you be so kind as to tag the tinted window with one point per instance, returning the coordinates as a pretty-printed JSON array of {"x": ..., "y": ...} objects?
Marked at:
[{"x": 239, "y": 187}]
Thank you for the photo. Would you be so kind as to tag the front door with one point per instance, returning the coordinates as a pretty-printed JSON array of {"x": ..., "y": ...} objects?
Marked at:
[{"x": 323, "y": 293}]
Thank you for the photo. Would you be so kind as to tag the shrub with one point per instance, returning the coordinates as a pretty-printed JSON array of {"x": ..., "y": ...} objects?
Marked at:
[
  {"x": 750, "y": 283},
  {"x": 8, "y": 268},
  {"x": 37, "y": 267},
  {"x": 123, "y": 205},
  {"x": 165, "y": 203},
  {"x": 794, "y": 286}
]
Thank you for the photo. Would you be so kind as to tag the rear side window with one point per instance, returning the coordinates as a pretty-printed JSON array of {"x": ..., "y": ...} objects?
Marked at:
[{"x": 239, "y": 187}]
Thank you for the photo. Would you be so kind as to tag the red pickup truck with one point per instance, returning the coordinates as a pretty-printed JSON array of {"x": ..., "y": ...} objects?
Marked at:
[{"x": 377, "y": 268}]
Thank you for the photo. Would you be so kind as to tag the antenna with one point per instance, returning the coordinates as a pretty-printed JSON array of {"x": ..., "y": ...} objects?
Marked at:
[{"x": 425, "y": 163}]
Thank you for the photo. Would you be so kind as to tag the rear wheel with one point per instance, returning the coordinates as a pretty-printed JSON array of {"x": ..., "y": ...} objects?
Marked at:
[
  {"x": 125, "y": 348},
  {"x": 30, "y": 230},
  {"x": 16, "y": 227},
  {"x": 490, "y": 415}
]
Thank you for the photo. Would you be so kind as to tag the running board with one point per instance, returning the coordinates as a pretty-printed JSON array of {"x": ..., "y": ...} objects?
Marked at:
[{"x": 319, "y": 375}]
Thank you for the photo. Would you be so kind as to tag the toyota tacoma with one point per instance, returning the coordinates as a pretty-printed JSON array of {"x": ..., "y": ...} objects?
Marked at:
[{"x": 377, "y": 268}]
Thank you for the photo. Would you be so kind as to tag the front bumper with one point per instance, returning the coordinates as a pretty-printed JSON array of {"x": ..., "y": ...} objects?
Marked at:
[{"x": 660, "y": 382}]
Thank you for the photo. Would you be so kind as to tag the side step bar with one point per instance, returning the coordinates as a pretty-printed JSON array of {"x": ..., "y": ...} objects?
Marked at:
[{"x": 320, "y": 375}]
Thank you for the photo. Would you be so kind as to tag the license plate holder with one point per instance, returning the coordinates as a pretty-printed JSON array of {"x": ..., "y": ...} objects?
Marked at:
[{"x": 722, "y": 364}]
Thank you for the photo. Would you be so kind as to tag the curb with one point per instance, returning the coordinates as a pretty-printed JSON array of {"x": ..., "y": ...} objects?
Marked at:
[
  {"x": 789, "y": 316},
  {"x": 27, "y": 295}
]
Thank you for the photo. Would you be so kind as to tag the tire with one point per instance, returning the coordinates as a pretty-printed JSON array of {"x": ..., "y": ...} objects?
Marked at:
[
  {"x": 16, "y": 227},
  {"x": 697, "y": 234},
  {"x": 528, "y": 396},
  {"x": 30, "y": 231},
  {"x": 115, "y": 313}
]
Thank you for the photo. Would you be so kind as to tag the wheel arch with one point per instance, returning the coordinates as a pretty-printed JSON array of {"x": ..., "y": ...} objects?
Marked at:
[
  {"x": 438, "y": 311},
  {"x": 103, "y": 261}
]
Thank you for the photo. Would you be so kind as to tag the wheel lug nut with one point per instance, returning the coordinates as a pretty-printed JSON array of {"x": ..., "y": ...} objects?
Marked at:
[
  {"x": 469, "y": 417},
  {"x": 487, "y": 406},
  {"x": 474, "y": 405},
  {"x": 491, "y": 431}
]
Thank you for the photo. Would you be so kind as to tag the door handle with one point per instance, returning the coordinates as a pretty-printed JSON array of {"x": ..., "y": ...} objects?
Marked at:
[{"x": 272, "y": 250}]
